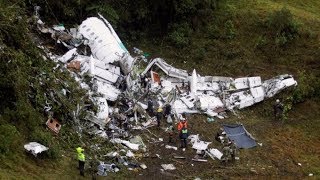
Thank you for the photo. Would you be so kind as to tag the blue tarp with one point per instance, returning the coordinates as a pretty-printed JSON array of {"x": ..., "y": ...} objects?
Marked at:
[{"x": 240, "y": 136}]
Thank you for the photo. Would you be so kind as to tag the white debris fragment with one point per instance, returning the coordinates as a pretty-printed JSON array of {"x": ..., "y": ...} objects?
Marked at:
[
  {"x": 129, "y": 154},
  {"x": 58, "y": 28},
  {"x": 35, "y": 148},
  {"x": 215, "y": 152},
  {"x": 168, "y": 166},
  {"x": 68, "y": 56},
  {"x": 171, "y": 147},
  {"x": 143, "y": 166},
  {"x": 132, "y": 146},
  {"x": 200, "y": 145},
  {"x": 104, "y": 43}
]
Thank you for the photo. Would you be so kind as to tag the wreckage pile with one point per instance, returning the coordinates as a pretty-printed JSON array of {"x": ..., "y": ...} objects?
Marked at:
[{"x": 124, "y": 90}]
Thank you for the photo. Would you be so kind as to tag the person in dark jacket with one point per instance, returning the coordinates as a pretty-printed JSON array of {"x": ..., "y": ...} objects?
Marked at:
[{"x": 278, "y": 110}]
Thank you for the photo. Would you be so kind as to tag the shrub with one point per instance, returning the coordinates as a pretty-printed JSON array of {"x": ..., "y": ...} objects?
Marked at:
[
  {"x": 42, "y": 137},
  {"x": 53, "y": 152},
  {"x": 8, "y": 136},
  {"x": 180, "y": 34},
  {"x": 213, "y": 31},
  {"x": 200, "y": 53},
  {"x": 230, "y": 30},
  {"x": 282, "y": 26},
  {"x": 308, "y": 87},
  {"x": 261, "y": 41}
]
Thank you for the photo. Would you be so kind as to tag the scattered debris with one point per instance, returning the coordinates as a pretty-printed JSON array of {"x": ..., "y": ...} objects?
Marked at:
[
  {"x": 171, "y": 147},
  {"x": 53, "y": 125},
  {"x": 199, "y": 160},
  {"x": 104, "y": 168},
  {"x": 214, "y": 153},
  {"x": 35, "y": 148},
  {"x": 168, "y": 166},
  {"x": 143, "y": 166},
  {"x": 127, "y": 93},
  {"x": 179, "y": 157}
]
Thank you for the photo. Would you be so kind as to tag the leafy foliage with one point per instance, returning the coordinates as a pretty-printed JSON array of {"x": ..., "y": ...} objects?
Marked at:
[
  {"x": 282, "y": 26},
  {"x": 29, "y": 83},
  {"x": 8, "y": 136},
  {"x": 308, "y": 86}
]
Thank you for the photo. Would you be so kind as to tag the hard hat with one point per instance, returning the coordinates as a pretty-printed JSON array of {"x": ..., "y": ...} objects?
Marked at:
[
  {"x": 277, "y": 100},
  {"x": 159, "y": 109},
  {"x": 182, "y": 119}
]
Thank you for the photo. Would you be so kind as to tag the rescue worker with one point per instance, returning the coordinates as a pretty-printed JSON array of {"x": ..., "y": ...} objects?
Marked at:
[
  {"x": 233, "y": 150},
  {"x": 81, "y": 159},
  {"x": 159, "y": 116},
  {"x": 226, "y": 154},
  {"x": 150, "y": 107},
  {"x": 167, "y": 110},
  {"x": 224, "y": 138},
  {"x": 170, "y": 131},
  {"x": 183, "y": 132},
  {"x": 278, "y": 110}
]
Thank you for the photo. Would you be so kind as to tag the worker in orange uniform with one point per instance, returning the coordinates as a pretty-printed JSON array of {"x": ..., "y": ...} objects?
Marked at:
[{"x": 183, "y": 132}]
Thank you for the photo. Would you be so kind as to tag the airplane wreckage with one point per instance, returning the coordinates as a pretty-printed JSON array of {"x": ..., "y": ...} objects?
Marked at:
[{"x": 123, "y": 86}]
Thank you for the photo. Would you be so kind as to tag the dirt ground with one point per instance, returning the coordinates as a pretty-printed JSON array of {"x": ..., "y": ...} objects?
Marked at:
[{"x": 283, "y": 146}]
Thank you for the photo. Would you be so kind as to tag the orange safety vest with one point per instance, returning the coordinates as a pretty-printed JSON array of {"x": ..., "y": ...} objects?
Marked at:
[{"x": 182, "y": 125}]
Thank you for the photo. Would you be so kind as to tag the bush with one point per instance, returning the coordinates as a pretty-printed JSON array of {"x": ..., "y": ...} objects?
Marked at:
[
  {"x": 230, "y": 30},
  {"x": 180, "y": 35},
  {"x": 42, "y": 137},
  {"x": 53, "y": 152},
  {"x": 8, "y": 136},
  {"x": 200, "y": 53},
  {"x": 213, "y": 31},
  {"x": 261, "y": 41},
  {"x": 282, "y": 26},
  {"x": 308, "y": 87}
]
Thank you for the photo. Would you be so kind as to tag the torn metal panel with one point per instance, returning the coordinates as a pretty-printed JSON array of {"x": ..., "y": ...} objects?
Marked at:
[
  {"x": 200, "y": 145},
  {"x": 168, "y": 166},
  {"x": 168, "y": 69},
  {"x": 109, "y": 91},
  {"x": 257, "y": 93},
  {"x": 193, "y": 82},
  {"x": 53, "y": 125},
  {"x": 132, "y": 146},
  {"x": 180, "y": 107},
  {"x": 69, "y": 55},
  {"x": 216, "y": 153},
  {"x": 189, "y": 100},
  {"x": 254, "y": 81},
  {"x": 276, "y": 84},
  {"x": 241, "y": 83},
  {"x": 104, "y": 43},
  {"x": 209, "y": 102},
  {"x": 126, "y": 63},
  {"x": 155, "y": 78},
  {"x": 35, "y": 148},
  {"x": 240, "y": 100},
  {"x": 103, "y": 108}
]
